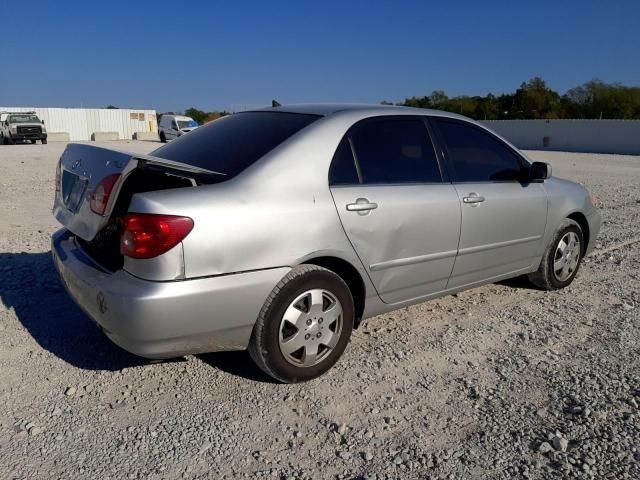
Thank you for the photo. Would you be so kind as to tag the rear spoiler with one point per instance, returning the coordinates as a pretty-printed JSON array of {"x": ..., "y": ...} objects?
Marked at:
[{"x": 149, "y": 159}]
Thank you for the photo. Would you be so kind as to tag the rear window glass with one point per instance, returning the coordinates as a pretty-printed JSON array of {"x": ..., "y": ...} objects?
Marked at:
[{"x": 230, "y": 144}]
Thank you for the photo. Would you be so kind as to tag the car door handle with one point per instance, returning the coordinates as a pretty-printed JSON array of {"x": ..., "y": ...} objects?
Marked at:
[
  {"x": 362, "y": 206},
  {"x": 473, "y": 199}
]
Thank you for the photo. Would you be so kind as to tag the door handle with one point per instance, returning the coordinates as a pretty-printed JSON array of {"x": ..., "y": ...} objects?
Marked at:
[
  {"x": 473, "y": 199},
  {"x": 362, "y": 206}
]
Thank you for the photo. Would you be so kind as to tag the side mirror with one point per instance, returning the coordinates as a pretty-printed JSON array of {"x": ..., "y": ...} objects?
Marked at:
[
  {"x": 42, "y": 121},
  {"x": 540, "y": 171}
]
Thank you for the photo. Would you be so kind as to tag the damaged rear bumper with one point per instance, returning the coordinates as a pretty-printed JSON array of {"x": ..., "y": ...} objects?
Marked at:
[{"x": 164, "y": 319}]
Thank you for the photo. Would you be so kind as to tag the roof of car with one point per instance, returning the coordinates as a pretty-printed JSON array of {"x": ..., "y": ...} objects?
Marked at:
[{"x": 325, "y": 109}]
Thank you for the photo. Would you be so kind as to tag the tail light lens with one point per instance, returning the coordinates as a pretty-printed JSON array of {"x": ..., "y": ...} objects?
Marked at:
[
  {"x": 148, "y": 235},
  {"x": 100, "y": 195}
]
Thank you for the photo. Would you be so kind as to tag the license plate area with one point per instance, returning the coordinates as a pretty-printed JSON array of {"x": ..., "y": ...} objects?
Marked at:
[{"x": 73, "y": 190}]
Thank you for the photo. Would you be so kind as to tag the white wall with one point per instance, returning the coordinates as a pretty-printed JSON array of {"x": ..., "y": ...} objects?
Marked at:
[
  {"x": 596, "y": 136},
  {"x": 81, "y": 123}
]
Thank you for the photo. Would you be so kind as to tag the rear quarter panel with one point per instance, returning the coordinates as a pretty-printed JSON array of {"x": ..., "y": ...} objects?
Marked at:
[{"x": 278, "y": 212}]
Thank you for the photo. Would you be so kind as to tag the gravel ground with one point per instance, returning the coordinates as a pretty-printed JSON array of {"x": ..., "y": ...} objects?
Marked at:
[{"x": 502, "y": 381}]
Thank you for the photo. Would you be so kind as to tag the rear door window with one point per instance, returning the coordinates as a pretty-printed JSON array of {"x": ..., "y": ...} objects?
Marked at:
[
  {"x": 231, "y": 144},
  {"x": 476, "y": 155},
  {"x": 394, "y": 150}
]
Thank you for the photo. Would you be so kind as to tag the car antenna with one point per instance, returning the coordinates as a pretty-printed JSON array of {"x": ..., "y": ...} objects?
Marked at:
[{"x": 275, "y": 103}]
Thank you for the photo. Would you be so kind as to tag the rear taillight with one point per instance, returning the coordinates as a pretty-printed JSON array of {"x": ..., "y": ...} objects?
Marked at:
[
  {"x": 147, "y": 235},
  {"x": 100, "y": 196}
]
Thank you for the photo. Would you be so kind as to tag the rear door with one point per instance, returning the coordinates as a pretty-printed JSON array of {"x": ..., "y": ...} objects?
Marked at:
[
  {"x": 399, "y": 212},
  {"x": 503, "y": 214}
]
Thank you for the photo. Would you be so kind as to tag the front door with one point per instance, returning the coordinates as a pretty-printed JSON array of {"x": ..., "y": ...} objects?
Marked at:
[
  {"x": 503, "y": 214},
  {"x": 401, "y": 217}
]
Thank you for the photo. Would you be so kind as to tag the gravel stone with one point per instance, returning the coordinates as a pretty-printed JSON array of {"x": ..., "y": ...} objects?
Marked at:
[
  {"x": 560, "y": 444},
  {"x": 545, "y": 448}
]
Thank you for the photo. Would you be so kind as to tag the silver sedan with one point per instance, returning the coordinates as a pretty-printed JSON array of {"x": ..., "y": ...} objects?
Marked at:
[{"x": 280, "y": 230}]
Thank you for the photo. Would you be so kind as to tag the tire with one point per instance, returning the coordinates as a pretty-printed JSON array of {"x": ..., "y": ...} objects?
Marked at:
[
  {"x": 43, "y": 141},
  {"x": 33, "y": 142},
  {"x": 163, "y": 139},
  {"x": 549, "y": 276},
  {"x": 308, "y": 294},
  {"x": 10, "y": 141}
]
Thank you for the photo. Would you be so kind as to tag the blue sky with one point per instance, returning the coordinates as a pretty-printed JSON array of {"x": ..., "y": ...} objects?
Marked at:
[{"x": 213, "y": 55}]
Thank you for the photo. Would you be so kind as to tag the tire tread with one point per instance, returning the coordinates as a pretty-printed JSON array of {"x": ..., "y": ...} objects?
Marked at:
[
  {"x": 258, "y": 354},
  {"x": 542, "y": 278}
]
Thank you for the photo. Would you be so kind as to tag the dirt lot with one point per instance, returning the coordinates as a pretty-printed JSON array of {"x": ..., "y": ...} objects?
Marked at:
[{"x": 498, "y": 382}]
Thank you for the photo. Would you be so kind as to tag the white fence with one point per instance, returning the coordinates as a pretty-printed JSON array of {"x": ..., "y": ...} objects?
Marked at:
[
  {"x": 82, "y": 123},
  {"x": 596, "y": 136}
]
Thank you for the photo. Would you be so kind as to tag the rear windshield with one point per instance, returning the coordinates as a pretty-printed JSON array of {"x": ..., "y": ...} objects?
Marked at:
[{"x": 230, "y": 144}]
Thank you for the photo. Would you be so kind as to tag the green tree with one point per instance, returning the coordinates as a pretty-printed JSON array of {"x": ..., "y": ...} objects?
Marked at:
[
  {"x": 535, "y": 100},
  {"x": 597, "y": 99},
  {"x": 438, "y": 99},
  {"x": 198, "y": 115}
]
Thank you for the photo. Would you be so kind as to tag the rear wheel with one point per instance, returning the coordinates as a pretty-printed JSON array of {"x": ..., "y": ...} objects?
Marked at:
[
  {"x": 304, "y": 326},
  {"x": 33, "y": 142},
  {"x": 561, "y": 260}
]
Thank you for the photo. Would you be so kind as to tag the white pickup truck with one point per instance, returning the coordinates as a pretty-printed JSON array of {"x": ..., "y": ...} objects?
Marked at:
[{"x": 21, "y": 126}]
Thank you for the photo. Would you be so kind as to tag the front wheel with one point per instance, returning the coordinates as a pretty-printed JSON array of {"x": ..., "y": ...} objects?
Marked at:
[
  {"x": 304, "y": 325},
  {"x": 561, "y": 260},
  {"x": 163, "y": 138},
  {"x": 43, "y": 141}
]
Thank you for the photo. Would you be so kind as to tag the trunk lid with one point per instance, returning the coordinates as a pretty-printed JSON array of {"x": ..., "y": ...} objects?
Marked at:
[{"x": 83, "y": 167}]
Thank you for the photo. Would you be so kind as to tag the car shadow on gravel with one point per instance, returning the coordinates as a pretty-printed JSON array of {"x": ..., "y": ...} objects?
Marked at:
[
  {"x": 521, "y": 282},
  {"x": 30, "y": 286},
  {"x": 236, "y": 363}
]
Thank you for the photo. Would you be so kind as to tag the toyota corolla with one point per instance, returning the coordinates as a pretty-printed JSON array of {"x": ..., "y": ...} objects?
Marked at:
[{"x": 280, "y": 230}]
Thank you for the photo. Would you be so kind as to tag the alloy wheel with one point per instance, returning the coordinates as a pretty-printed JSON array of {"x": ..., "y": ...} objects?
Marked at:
[
  {"x": 310, "y": 327},
  {"x": 567, "y": 256}
]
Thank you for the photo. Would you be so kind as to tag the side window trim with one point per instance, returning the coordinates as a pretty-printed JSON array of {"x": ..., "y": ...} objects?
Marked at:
[
  {"x": 438, "y": 150},
  {"x": 445, "y": 152},
  {"x": 355, "y": 158}
]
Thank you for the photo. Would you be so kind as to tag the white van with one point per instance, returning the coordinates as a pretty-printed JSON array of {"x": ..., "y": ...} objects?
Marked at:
[{"x": 174, "y": 126}]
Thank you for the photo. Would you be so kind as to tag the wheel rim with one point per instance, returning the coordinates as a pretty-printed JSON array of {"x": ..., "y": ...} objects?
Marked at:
[
  {"x": 567, "y": 256},
  {"x": 310, "y": 328}
]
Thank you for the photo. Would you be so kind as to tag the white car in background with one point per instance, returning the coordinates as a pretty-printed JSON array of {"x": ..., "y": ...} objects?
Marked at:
[{"x": 174, "y": 126}]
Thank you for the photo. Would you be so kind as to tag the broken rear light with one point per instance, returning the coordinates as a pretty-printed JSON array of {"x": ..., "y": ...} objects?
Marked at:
[
  {"x": 147, "y": 235},
  {"x": 100, "y": 196}
]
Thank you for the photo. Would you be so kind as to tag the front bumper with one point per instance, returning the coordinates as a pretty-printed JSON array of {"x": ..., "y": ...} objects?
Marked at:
[
  {"x": 28, "y": 136},
  {"x": 594, "y": 220},
  {"x": 164, "y": 319}
]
